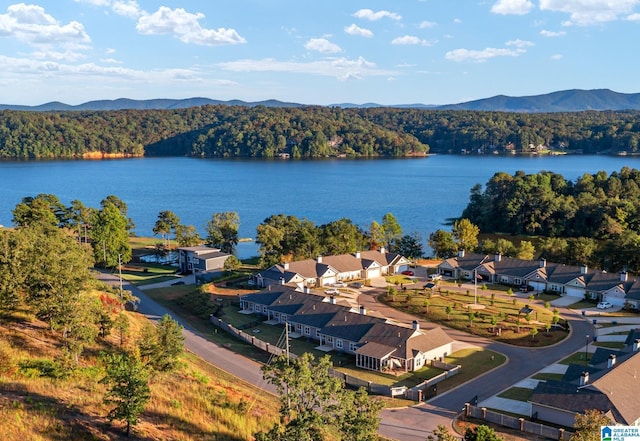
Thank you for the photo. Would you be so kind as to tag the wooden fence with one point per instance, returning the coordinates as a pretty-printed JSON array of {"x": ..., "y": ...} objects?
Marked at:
[{"x": 420, "y": 392}]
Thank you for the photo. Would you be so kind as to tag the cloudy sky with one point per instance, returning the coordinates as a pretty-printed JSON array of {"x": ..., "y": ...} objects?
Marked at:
[{"x": 315, "y": 51}]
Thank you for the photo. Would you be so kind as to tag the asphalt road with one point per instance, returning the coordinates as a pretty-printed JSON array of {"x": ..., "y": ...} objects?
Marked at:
[
  {"x": 416, "y": 423},
  {"x": 219, "y": 356},
  {"x": 406, "y": 424}
]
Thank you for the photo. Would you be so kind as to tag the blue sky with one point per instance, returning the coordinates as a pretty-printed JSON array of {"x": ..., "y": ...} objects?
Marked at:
[{"x": 315, "y": 51}]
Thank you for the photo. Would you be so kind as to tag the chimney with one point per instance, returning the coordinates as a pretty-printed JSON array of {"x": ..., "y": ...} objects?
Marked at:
[
  {"x": 543, "y": 263},
  {"x": 584, "y": 269},
  {"x": 357, "y": 254},
  {"x": 415, "y": 325},
  {"x": 363, "y": 310},
  {"x": 383, "y": 250},
  {"x": 636, "y": 345},
  {"x": 281, "y": 280},
  {"x": 611, "y": 361},
  {"x": 584, "y": 378},
  {"x": 307, "y": 290},
  {"x": 319, "y": 259},
  {"x": 314, "y": 307},
  {"x": 461, "y": 253},
  {"x": 498, "y": 257},
  {"x": 623, "y": 276},
  {"x": 285, "y": 265},
  {"x": 332, "y": 300}
]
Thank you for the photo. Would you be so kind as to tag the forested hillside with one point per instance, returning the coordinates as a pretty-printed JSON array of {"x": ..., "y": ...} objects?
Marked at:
[
  {"x": 308, "y": 132},
  {"x": 594, "y": 220},
  {"x": 207, "y": 131}
]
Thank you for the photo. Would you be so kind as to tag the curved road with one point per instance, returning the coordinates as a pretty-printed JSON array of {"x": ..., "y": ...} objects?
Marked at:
[
  {"x": 406, "y": 424},
  {"x": 416, "y": 423}
]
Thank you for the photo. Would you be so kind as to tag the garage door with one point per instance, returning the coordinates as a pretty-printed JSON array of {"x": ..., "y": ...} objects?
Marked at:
[
  {"x": 375, "y": 272},
  {"x": 575, "y": 292}
]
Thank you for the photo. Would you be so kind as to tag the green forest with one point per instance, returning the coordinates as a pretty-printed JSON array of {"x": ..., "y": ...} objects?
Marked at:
[
  {"x": 594, "y": 220},
  {"x": 309, "y": 132}
]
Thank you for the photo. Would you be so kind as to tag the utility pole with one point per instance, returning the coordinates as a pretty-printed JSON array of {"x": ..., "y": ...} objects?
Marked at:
[{"x": 120, "y": 273}]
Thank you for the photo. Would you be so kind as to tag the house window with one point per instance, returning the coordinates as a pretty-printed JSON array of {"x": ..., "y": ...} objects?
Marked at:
[
  {"x": 555, "y": 288},
  {"x": 339, "y": 343},
  {"x": 264, "y": 309},
  {"x": 284, "y": 317},
  {"x": 517, "y": 281},
  {"x": 352, "y": 347},
  {"x": 317, "y": 333},
  {"x": 504, "y": 279},
  {"x": 298, "y": 327},
  {"x": 329, "y": 340},
  {"x": 256, "y": 308},
  {"x": 307, "y": 330}
]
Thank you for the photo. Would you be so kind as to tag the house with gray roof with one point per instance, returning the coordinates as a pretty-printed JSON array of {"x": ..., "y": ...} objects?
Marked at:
[
  {"x": 609, "y": 384},
  {"x": 375, "y": 343},
  {"x": 566, "y": 280},
  {"x": 326, "y": 270},
  {"x": 201, "y": 259}
]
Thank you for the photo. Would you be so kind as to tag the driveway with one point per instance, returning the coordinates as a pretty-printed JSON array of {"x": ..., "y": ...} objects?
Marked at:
[{"x": 406, "y": 424}]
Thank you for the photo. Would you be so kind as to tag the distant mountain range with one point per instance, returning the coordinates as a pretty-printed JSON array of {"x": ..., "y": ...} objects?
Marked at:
[{"x": 574, "y": 100}]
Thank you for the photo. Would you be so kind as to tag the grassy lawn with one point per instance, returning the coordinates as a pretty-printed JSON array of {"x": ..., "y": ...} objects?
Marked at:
[
  {"x": 147, "y": 273},
  {"x": 547, "y": 376},
  {"x": 577, "y": 358},
  {"x": 517, "y": 393},
  {"x": 610, "y": 344},
  {"x": 482, "y": 313},
  {"x": 474, "y": 362}
]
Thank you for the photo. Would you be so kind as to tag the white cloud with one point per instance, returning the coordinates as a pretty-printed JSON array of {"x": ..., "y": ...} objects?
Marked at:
[
  {"x": 589, "y": 12},
  {"x": 460, "y": 55},
  {"x": 546, "y": 33},
  {"x": 127, "y": 8},
  {"x": 356, "y": 30},
  {"x": 520, "y": 43},
  {"x": 339, "y": 68},
  {"x": 186, "y": 27},
  {"x": 512, "y": 7},
  {"x": 110, "y": 51},
  {"x": 428, "y": 24},
  {"x": 409, "y": 40},
  {"x": 373, "y": 16},
  {"x": 556, "y": 57},
  {"x": 634, "y": 17},
  {"x": 457, "y": 21},
  {"x": 32, "y": 25},
  {"x": 322, "y": 45}
]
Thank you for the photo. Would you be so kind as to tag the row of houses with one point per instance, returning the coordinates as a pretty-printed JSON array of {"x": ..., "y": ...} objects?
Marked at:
[
  {"x": 609, "y": 383},
  {"x": 326, "y": 270},
  {"x": 575, "y": 281},
  {"x": 376, "y": 344}
]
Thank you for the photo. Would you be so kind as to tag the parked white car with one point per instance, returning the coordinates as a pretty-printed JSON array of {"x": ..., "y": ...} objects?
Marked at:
[
  {"x": 331, "y": 291},
  {"x": 604, "y": 305},
  {"x": 435, "y": 277},
  {"x": 340, "y": 285}
]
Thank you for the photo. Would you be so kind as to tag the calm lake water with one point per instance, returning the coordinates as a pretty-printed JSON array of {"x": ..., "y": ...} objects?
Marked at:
[{"x": 422, "y": 193}]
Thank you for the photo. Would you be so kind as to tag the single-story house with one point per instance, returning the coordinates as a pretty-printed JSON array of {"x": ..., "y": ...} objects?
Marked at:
[
  {"x": 375, "y": 343},
  {"x": 326, "y": 270},
  {"x": 566, "y": 280},
  {"x": 608, "y": 384},
  {"x": 201, "y": 259}
]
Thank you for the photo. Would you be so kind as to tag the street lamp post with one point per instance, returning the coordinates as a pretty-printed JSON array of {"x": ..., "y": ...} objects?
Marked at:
[{"x": 586, "y": 347}]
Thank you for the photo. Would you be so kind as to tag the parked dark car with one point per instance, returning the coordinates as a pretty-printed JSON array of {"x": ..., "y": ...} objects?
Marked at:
[{"x": 526, "y": 288}]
